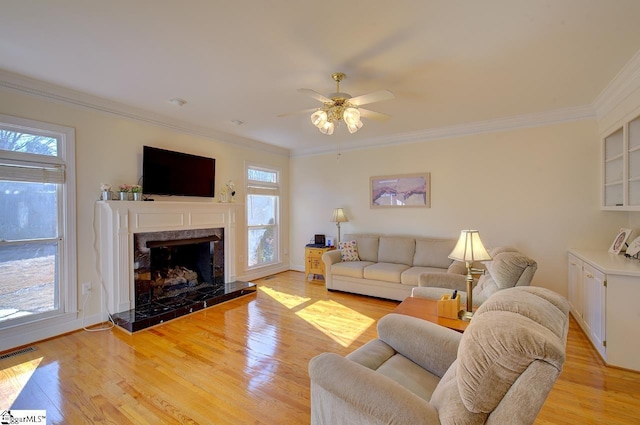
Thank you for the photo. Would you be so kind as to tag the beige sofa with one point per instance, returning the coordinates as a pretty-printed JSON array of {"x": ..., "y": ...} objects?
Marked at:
[
  {"x": 389, "y": 266},
  {"x": 499, "y": 371}
]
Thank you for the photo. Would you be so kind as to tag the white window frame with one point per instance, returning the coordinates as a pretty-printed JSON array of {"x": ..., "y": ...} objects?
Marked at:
[
  {"x": 253, "y": 187},
  {"x": 30, "y": 328}
]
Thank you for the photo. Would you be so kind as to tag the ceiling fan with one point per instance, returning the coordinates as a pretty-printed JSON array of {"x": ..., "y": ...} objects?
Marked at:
[{"x": 341, "y": 106}]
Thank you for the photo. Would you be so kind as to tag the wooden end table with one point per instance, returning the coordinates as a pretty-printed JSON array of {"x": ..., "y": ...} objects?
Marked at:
[
  {"x": 313, "y": 264},
  {"x": 425, "y": 309}
]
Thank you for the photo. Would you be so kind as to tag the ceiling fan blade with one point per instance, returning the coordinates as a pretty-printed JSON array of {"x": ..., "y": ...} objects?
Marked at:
[
  {"x": 317, "y": 96},
  {"x": 373, "y": 115},
  {"x": 375, "y": 96},
  {"x": 304, "y": 111}
]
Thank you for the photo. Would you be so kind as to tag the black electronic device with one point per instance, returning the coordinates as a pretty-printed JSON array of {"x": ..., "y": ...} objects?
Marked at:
[
  {"x": 319, "y": 241},
  {"x": 167, "y": 172}
]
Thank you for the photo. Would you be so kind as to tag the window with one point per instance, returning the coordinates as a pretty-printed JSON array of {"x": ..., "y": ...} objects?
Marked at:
[
  {"x": 263, "y": 198},
  {"x": 37, "y": 223}
]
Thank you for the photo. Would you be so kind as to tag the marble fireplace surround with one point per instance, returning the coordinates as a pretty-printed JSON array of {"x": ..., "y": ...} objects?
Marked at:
[{"x": 120, "y": 220}]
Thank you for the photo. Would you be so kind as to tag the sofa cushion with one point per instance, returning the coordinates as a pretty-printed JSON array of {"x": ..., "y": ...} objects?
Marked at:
[
  {"x": 396, "y": 250},
  {"x": 411, "y": 376},
  {"x": 507, "y": 267},
  {"x": 367, "y": 246},
  {"x": 412, "y": 276},
  {"x": 433, "y": 252},
  {"x": 386, "y": 272},
  {"x": 459, "y": 267},
  {"x": 349, "y": 251},
  {"x": 350, "y": 268}
]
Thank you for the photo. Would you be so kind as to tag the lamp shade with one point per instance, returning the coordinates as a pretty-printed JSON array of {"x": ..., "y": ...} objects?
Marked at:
[
  {"x": 338, "y": 216},
  {"x": 319, "y": 118},
  {"x": 469, "y": 248},
  {"x": 354, "y": 127},
  {"x": 327, "y": 128},
  {"x": 351, "y": 116}
]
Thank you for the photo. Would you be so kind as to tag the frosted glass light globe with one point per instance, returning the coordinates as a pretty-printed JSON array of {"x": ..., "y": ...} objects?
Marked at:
[
  {"x": 351, "y": 116},
  {"x": 319, "y": 118}
]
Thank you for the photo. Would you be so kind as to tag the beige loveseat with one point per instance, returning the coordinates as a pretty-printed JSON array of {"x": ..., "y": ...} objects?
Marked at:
[
  {"x": 499, "y": 371},
  {"x": 389, "y": 266}
]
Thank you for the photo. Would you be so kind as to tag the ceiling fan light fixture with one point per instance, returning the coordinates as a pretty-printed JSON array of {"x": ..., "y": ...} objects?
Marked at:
[
  {"x": 341, "y": 106},
  {"x": 319, "y": 118}
]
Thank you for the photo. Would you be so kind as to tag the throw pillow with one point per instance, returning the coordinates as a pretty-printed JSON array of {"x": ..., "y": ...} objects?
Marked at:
[{"x": 349, "y": 251}]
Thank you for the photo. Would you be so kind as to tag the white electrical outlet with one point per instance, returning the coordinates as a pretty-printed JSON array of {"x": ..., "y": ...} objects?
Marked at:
[{"x": 86, "y": 288}]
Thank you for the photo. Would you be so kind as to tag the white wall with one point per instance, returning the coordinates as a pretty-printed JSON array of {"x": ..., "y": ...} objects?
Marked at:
[
  {"x": 109, "y": 149},
  {"x": 536, "y": 189}
]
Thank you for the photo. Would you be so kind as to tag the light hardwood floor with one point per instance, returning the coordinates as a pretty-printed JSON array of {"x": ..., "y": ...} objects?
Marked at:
[{"x": 245, "y": 362}]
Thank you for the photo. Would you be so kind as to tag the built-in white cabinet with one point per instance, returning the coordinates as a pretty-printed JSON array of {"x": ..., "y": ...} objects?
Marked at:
[
  {"x": 576, "y": 287},
  {"x": 604, "y": 293},
  {"x": 621, "y": 168},
  {"x": 587, "y": 296},
  {"x": 594, "y": 299}
]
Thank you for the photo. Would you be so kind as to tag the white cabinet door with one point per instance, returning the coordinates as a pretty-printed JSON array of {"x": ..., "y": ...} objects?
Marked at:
[
  {"x": 613, "y": 167},
  {"x": 575, "y": 288},
  {"x": 594, "y": 306},
  {"x": 621, "y": 168}
]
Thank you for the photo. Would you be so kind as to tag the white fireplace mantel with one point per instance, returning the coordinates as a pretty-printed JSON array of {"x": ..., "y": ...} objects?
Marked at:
[{"x": 120, "y": 220}]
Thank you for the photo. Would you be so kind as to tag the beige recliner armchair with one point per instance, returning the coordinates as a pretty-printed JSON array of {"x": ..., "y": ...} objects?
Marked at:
[
  {"x": 499, "y": 371},
  {"x": 508, "y": 268}
]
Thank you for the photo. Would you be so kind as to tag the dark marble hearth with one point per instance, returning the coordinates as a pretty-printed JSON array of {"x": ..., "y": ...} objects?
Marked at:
[{"x": 153, "y": 313}]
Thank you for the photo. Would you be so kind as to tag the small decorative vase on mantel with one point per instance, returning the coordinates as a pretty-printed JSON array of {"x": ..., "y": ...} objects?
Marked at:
[
  {"x": 137, "y": 192},
  {"x": 124, "y": 190},
  {"x": 105, "y": 191}
]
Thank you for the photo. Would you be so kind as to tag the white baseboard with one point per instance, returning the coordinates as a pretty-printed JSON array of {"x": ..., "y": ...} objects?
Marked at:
[
  {"x": 30, "y": 333},
  {"x": 297, "y": 268},
  {"x": 263, "y": 272}
]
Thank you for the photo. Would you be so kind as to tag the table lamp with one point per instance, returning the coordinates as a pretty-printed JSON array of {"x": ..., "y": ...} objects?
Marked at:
[
  {"x": 338, "y": 217},
  {"x": 469, "y": 248}
]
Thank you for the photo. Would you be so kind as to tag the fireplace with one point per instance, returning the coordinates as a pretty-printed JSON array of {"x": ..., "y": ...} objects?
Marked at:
[
  {"x": 162, "y": 260},
  {"x": 177, "y": 263}
]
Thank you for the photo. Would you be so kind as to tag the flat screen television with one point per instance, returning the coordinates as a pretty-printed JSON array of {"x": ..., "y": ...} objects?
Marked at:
[{"x": 175, "y": 173}]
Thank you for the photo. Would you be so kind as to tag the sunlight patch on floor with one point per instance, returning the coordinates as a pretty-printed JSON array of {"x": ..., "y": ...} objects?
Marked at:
[
  {"x": 337, "y": 321},
  {"x": 13, "y": 379},
  {"x": 288, "y": 300}
]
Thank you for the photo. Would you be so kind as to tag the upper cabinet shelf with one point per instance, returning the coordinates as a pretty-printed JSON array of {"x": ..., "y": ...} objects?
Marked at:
[{"x": 621, "y": 168}]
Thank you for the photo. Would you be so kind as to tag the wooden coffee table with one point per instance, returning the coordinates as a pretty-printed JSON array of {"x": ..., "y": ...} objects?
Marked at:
[{"x": 425, "y": 309}]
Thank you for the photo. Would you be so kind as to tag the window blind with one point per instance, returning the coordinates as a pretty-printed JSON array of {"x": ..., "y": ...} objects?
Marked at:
[
  {"x": 263, "y": 190},
  {"x": 32, "y": 173}
]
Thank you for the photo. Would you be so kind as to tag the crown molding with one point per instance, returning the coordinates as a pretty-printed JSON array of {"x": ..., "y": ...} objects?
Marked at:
[
  {"x": 558, "y": 116},
  {"x": 26, "y": 85},
  {"x": 610, "y": 97},
  {"x": 622, "y": 85}
]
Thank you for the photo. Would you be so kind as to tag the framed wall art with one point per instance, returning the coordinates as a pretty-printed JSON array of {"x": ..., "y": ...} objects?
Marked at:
[
  {"x": 634, "y": 248},
  {"x": 400, "y": 191},
  {"x": 619, "y": 241}
]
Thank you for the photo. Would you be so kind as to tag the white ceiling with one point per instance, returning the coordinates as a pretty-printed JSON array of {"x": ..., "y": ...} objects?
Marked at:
[{"x": 449, "y": 63}]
